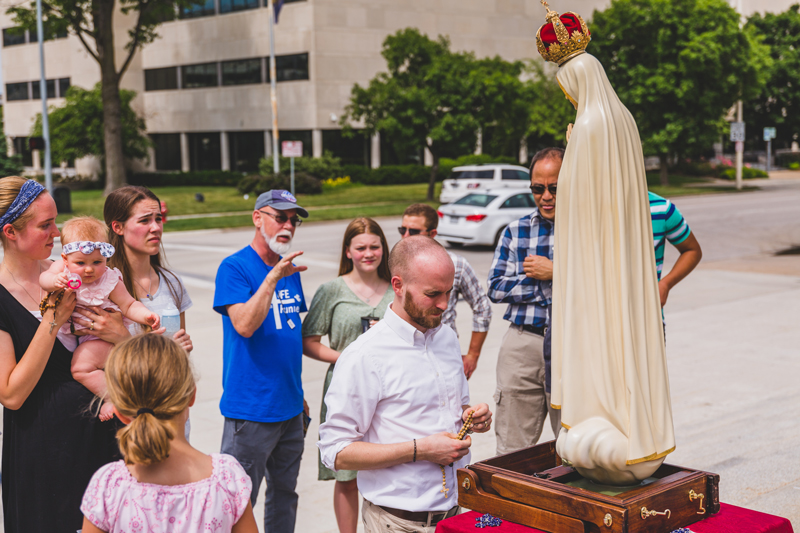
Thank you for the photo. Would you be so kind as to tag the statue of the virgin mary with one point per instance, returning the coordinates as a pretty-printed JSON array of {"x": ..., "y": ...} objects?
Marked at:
[{"x": 609, "y": 369}]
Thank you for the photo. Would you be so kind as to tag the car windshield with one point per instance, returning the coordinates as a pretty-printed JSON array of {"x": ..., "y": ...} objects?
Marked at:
[
  {"x": 479, "y": 200},
  {"x": 472, "y": 175}
]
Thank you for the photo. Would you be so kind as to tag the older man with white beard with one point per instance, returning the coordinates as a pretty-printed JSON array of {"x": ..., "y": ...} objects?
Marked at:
[{"x": 259, "y": 295}]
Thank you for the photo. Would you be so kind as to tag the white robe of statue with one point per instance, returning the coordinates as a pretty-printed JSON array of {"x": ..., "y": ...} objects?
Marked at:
[{"x": 609, "y": 364}]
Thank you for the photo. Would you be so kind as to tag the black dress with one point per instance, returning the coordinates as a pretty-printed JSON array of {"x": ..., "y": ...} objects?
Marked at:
[{"x": 51, "y": 445}]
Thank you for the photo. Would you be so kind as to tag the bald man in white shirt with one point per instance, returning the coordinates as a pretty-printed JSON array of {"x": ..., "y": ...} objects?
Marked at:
[{"x": 399, "y": 397}]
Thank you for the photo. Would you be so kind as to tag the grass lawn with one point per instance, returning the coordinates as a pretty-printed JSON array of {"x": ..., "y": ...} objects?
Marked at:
[
  {"x": 342, "y": 203},
  {"x": 334, "y": 204}
]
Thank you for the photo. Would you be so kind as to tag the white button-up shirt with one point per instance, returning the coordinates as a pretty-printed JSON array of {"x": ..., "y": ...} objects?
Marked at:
[{"x": 391, "y": 385}]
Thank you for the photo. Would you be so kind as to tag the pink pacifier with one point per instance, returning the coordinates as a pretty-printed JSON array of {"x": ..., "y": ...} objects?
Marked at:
[{"x": 74, "y": 282}]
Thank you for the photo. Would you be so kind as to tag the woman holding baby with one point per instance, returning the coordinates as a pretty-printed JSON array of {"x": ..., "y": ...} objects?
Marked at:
[{"x": 52, "y": 442}]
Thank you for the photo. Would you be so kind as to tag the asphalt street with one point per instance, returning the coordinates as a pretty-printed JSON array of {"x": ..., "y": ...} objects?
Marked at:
[{"x": 732, "y": 344}]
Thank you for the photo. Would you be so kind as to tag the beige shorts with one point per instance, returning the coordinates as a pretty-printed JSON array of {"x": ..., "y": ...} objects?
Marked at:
[{"x": 521, "y": 402}]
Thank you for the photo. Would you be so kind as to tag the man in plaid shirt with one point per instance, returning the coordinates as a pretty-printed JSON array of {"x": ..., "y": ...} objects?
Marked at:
[
  {"x": 521, "y": 276},
  {"x": 422, "y": 219}
]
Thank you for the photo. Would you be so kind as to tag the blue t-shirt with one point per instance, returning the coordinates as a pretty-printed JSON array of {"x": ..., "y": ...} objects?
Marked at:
[{"x": 260, "y": 375}]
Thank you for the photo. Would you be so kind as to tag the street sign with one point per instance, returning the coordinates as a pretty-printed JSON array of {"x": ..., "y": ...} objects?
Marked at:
[
  {"x": 292, "y": 148},
  {"x": 769, "y": 134},
  {"x": 737, "y": 131}
]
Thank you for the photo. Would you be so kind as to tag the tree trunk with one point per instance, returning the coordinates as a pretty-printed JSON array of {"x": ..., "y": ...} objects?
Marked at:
[
  {"x": 103, "y": 14},
  {"x": 432, "y": 182},
  {"x": 664, "y": 175}
]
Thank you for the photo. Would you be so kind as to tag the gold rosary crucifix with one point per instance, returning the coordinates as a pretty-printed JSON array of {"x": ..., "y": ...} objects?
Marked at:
[{"x": 461, "y": 435}]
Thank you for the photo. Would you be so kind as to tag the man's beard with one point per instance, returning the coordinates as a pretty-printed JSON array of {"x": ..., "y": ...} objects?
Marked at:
[
  {"x": 274, "y": 244},
  {"x": 425, "y": 318}
]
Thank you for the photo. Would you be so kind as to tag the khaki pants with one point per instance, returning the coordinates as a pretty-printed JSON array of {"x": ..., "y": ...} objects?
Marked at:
[
  {"x": 376, "y": 520},
  {"x": 522, "y": 404}
]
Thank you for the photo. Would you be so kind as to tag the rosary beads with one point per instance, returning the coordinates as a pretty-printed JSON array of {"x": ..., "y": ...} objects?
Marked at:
[
  {"x": 461, "y": 435},
  {"x": 487, "y": 520},
  {"x": 44, "y": 306}
]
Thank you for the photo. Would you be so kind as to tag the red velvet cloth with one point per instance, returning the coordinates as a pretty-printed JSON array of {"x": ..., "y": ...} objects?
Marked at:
[
  {"x": 569, "y": 21},
  {"x": 730, "y": 519}
]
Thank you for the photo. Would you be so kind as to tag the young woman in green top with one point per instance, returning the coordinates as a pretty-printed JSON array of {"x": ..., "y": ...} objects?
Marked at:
[{"x": 341, "y": 309}]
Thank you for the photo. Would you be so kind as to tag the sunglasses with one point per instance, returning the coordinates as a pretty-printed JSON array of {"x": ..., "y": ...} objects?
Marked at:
[
  {"x": 282, "y": 219},
  {"x": 411, "y": 231},
  {"x": 539, "y": 189}
]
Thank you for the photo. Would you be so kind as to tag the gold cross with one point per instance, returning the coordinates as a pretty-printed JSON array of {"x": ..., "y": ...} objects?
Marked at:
[{"x": 52, "y": 324}]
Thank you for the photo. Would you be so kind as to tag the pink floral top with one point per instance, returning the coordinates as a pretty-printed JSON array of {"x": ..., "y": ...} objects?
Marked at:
[
  {"x": 96, "y": 293},
  {"x": 115, "y": 502}
]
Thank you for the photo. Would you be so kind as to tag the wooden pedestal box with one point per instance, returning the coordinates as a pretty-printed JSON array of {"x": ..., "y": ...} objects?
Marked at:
[{"x": 532, "y": 488}]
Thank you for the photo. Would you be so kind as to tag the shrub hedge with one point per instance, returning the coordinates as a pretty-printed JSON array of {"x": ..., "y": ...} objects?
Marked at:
[
  {"x": 747, "y": 173},
  {"x": 304, "y": 183}
]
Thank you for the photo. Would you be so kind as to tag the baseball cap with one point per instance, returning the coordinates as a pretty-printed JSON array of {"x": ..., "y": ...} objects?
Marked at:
[{"x": 281, "y": 200}]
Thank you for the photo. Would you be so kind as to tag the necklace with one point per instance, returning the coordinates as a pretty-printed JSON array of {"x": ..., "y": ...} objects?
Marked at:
[
  {"x": 149, "y": 285},
  {"x": 21, "y": 286},
  {"x": 461, "y": 434},
  {"x": 361, "y": 296}
]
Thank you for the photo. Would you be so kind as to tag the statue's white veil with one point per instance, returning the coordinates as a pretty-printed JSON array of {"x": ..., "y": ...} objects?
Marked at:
[{"x": 609, "y": 365}]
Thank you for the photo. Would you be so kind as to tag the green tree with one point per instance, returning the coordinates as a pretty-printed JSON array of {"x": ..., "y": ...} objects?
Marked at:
[
  {"x": 778, "y": 104},
  {"x": 504, "y": 102},
  {"x": 9, "y": 165},
  {"x": 678, "y": 65},
  {"x": 76, "y": 128},
  {"x": 92, "y": 21},
  {"x": 549, "y": 111},
  {"x": 428, "y": 97}
]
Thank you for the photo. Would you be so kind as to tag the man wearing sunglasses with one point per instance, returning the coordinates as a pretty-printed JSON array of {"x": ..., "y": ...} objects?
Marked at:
[
  {"x": 422, "y": 219},
  {"x": 260, "y": 297},
  {"x": 521, "y": 276}
]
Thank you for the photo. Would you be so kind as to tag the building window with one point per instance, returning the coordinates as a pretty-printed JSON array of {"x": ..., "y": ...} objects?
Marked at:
[
  {"x": 202, "y": 8},
  {"x": 17, "y": 91},
  {"x": 290, "y": 67},
  {"x": 353, "y": 150},
  {"x": 246, "y": 149},
  {"x": 63, "y": 85},
  {"x": 167, "y": 147},
  {"x": 36, "y": 93},
  {"x": 229, "y": 6},
  {"x": 204, "y": 151},
  {"x": 203, "y": 75},
  {"x": 161, "y": 79},
  {"x": 13, "y": 36},
  {"x": 241, "y": 72},
  {"x": 22, "y": 147}
]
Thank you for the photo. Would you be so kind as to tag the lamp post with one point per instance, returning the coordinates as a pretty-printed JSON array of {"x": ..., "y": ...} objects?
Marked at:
[
  {"x": 739, "y": 118},
  {"x": 48, "y": 164},
  {"x": 273, "y": 96}
]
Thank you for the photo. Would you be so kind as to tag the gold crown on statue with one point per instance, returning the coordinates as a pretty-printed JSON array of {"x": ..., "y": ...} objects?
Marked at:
[{"x": 562, "y": 37}]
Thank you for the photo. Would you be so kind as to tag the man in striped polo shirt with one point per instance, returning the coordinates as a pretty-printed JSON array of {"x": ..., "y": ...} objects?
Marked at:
[{"x": 669, "y": 225}]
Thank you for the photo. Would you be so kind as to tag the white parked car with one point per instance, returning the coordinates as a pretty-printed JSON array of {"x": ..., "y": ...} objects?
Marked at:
[
  {"x": 467, "y": 179},
  {"x": 482, "y": 216}
]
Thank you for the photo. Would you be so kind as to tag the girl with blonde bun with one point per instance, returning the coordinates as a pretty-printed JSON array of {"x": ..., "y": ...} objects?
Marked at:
[{"x": 162, "y": 479}]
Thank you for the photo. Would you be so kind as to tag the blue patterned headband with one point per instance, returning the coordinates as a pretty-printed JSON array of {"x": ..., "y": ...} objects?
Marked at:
[
  {"x": 87, "y": 247},
  {"x": 27, "y": 194}
]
